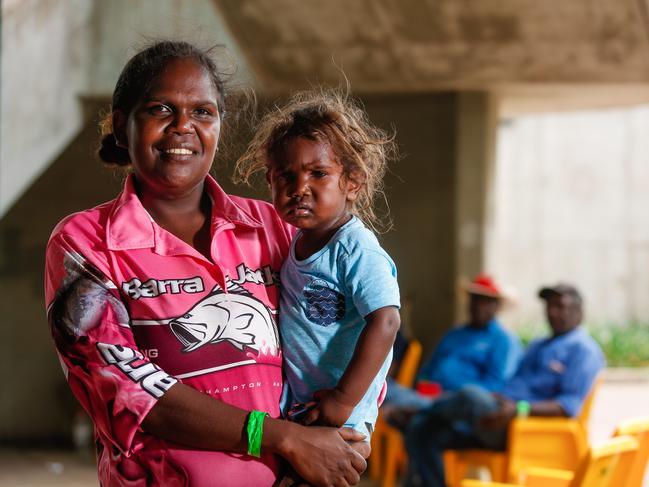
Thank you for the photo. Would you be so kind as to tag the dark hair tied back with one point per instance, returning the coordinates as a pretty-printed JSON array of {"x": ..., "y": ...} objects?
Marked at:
[
  {"x": 110, "y": 153},
  {"x": 136, "y": 79}
]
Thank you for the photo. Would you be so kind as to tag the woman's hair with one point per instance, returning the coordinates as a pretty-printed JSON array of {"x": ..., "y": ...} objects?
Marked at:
[
  {"x": 136, "y": 80},
  {"x": 330, "y": 116}
]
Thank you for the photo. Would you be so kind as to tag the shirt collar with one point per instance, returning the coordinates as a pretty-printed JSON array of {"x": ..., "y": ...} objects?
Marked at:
[
  {"x": 130, "y": 226},
  {"x": 576, "y": 332},
  {"x": 493, "y": 322},
  {"x": 490, "y": 324}
]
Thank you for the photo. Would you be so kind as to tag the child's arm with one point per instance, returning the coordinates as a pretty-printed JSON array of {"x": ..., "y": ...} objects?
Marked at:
[{"x": 335, "y": 405}]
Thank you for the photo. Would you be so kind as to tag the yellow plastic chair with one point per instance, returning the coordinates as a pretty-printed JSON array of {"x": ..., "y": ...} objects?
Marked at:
[
  {"x": 543, "y": 442},
  {"x": 632, "y": 475},
  {"x": 388, "y": 451},
  {"x": 597, "y": 469}
]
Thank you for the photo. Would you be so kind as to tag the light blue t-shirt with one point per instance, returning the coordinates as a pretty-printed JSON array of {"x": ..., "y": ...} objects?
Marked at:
[{"x": 324, "y": 300}]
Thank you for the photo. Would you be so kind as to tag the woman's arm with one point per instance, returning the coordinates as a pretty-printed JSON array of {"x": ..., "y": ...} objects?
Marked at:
[
  {"x": 322, "y": 456},
  {"x": 114, "y": 382},
  {"x": 335, "y": 405}
]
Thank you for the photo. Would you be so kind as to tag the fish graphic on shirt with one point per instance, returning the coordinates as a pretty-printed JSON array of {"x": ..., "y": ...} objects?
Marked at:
[{"x": 235, "y": 317}]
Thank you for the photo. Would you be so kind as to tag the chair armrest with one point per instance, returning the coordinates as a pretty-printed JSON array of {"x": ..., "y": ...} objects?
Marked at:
[
  {"x": 543, "y": 425},
  {"x": 548, "y": 431},
  {"x": 480, "y": 483},
  {"x": 546, "y": 477}
]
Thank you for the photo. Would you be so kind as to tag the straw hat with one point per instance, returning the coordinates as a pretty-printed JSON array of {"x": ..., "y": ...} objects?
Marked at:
[{"x": 484, "y": 285}]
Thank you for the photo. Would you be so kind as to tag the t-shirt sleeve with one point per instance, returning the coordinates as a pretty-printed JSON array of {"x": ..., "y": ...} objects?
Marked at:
[
  {"x": 109, "y": 376},
  {"x": 580, "y": 373},
  {"x": 371, "y": 279}
]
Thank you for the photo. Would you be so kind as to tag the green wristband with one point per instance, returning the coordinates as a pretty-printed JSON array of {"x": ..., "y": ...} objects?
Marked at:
[
  {"x": 523, "y": 409},
  {"x": 255, "y": 429}
]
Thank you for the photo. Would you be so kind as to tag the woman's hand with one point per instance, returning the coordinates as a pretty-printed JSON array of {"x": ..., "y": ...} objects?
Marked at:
[{"x": 321, "y": 456}]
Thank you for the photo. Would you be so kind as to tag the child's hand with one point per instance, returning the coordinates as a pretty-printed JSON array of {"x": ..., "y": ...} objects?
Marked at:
[{"x": 332, "y": 409}]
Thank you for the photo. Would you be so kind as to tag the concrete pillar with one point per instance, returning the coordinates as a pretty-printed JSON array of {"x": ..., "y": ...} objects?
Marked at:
[
  {"x": 474, "y": 166},
  {"x": 421, "y": 193}
]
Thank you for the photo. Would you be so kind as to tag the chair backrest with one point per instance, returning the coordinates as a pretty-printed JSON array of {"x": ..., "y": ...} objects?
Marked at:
[
  {"x": 550, "y": 442},
  {"x": 587, "y": 406},
  {"x": 558, "y": 443},
  {"x": 598, "y": 467},
  {"x": 631, "y": 475},
  {"x": 409, "y": 364}
]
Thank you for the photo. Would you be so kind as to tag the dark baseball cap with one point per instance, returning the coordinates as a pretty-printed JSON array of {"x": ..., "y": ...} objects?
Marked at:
[{"x": 561, "y": 289}]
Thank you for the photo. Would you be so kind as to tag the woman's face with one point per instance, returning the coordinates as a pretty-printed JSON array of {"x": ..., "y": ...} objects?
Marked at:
[{"x": 173, "y": 132}]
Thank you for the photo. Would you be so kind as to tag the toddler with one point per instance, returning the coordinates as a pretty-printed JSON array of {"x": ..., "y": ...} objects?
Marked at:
[{"x": 339, "y": 298}]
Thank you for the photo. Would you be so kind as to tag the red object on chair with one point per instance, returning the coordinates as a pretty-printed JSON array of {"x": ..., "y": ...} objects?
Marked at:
[{"x": 429, "y": 388}]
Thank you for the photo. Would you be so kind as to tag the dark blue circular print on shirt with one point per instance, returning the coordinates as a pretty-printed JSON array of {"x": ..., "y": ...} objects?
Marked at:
[{"x": 324, "y": 306}]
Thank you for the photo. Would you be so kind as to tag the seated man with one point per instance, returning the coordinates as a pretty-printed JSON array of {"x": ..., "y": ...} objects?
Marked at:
[
  {"x": 554, "y": 377},
  {"x": 479, "y": 352}
]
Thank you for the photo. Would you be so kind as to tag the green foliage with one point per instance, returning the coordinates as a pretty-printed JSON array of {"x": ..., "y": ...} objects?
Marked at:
[
  {"x": 624, "y": 345},
  {"x": 529, "y": 331}
]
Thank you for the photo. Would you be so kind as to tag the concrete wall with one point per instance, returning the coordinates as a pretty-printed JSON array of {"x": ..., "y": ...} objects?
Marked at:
[
  {"x": 571, "y": 204},
  {"x": 474, "y": 162},
  {"x": 421, "y": 192},
  {"x": 122, "y": 27},
  {"x": 40, "y": 406},
  {"x": 41, "y": 77},
  {"x": 415, "y": 45},
  {"x": 53, "y": 51}
]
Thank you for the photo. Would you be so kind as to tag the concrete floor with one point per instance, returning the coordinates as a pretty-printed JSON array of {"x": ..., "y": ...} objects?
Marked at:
[{"x": 620, "y": 397}]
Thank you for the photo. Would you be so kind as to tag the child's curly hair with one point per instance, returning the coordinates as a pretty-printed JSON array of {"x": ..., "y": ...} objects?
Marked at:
[{"x": 332, "y": 116}]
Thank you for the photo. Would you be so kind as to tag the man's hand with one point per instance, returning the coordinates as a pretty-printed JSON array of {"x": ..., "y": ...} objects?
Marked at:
[
  {"x": 332, "y": 409},
  {"x": 501, "y": 417}
]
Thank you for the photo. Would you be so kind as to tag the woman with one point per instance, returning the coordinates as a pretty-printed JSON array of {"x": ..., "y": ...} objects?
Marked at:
[{"x": 161, "y": 301}]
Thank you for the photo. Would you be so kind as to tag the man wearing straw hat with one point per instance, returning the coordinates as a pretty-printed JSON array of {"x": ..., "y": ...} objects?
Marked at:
[{"x": 480, "y": 352}]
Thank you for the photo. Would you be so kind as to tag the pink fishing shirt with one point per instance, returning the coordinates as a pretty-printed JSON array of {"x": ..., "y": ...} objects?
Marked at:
[{"x": 133, "y": 309}]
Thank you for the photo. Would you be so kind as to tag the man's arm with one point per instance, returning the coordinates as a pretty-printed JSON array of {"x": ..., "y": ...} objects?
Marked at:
[
  {"x": 547, "y": 408},
  {"x": 501, "y": 417}
]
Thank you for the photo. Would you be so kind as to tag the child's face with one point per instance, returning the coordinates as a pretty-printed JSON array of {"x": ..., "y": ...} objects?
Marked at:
[
  {"x": 308, "y": 186},
  {"x": 172, "y": 133}
]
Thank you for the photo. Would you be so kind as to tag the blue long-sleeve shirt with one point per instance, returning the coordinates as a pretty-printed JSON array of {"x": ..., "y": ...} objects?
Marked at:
[
  {"x": 467, "y": 355},
  {"x": 560, "y": 368}
]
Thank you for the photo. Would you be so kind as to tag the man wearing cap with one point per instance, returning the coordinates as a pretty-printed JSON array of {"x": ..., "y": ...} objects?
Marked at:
[
  {"x": 480, "y": 352},
  {"x": 553, "y": 379}
]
